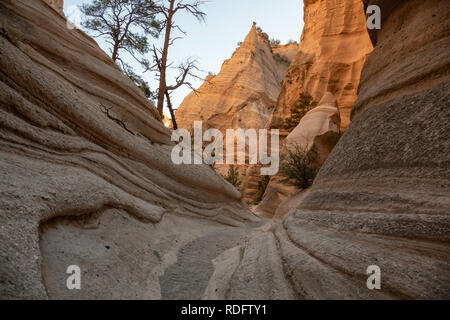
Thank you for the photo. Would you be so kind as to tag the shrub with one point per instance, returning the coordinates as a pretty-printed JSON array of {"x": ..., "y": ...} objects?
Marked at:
[
  {"x": 280, "y": 59},
  {"x": 262, "y": 33},
  {"x": 265, "y": 36},
  {"x": 299, "y": 110},
  {"x": 262, "y": 186},
  {"x": 275, "y": 42},
  {"x": 297, "y": 166},
  {"x": 233, "y": 176}
]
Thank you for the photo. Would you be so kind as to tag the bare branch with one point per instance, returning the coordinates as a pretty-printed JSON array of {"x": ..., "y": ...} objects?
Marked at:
[
  {"x": 169, "y": 8},
  {"x": 193, "y": 8},
  {"x": 186, "y": 69}
]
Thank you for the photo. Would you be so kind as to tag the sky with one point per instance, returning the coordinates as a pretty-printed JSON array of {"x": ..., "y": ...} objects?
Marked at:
[{"x": 213, "y": 41}]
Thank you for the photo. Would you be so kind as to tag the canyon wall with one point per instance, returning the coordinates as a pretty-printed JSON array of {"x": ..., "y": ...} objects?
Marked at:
[
  {"x": 331, "y": 54},
  {"x": 86, "y": 179},
  {"x": 242, "y": 95},
  {"x": 58, "y": 5},
  {"x": 332, "y": 50},
  {"x": 246, "y": 93},
  {"x": 315, "y": 136},
  {"x": 86, "y": 176},
  {"x": 383, "y": 196}
]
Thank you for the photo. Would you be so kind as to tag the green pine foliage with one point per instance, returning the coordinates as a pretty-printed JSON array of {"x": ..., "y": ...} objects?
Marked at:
[
  {"x": 299, "y": 110},
  {"x": 126, "y": 26}
]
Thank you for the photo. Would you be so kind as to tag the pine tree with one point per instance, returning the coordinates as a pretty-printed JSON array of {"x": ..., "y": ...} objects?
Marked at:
[
  {"x": 125, "y": 25},
  {"x": 299, "y": 110}
]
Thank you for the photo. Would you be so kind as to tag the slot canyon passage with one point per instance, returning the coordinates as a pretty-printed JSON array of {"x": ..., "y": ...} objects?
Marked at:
[{"x": 87, "y": 177}]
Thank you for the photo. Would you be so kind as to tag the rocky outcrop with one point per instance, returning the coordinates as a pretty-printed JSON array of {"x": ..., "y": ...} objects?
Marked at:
[
  {"x": 243, "y": 95},
  {"x": 58, "y": 5},
  {"x": 318, "y": 132},
  {"x": 167, "y": 122},
  {"x": 290, "y": 203},
  {"x": 276, "y": 192},
  {"x": 86, "y": 173},
  {"x": 86, "y": 179},
  {"x": 331, "y": 54},
  {"x": 383, "y": 195}
]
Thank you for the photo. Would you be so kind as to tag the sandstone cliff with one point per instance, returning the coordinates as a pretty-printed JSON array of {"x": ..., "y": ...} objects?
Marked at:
[
  {"x": 86, "y": 175},
  {"x": 383, "y": 196},
  {"x": 331, "y": 54},
  {"x": 86, "y": 179},
  {"x": 243, "y": 95},
  {"x": 58, "y": 5},
  {"x": 316, "y": 134},
  {"x": 317, "y": 130}
]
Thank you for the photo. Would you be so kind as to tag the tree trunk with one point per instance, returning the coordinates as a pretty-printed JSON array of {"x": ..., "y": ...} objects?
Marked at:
[
  {"x": 115, "y": 51},
  {"x": 172, "y": 114},
  {"x": 162, "y": 76}
]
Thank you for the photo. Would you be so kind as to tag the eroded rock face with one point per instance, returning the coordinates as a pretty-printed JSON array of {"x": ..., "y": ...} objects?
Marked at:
[
  {"x": 58, "y": 5},
  {"x": 318, "y": 133},
  {"x": 86, "y": 176},
  {"x": 318, "y": 130},
  {"x": 276, "y": 192},
  {"x": 79, "y": 183},
  {"x": 331, "y": 54},
  {"x": 243, "y": 95},
  {"x": 383, "y": 195}
]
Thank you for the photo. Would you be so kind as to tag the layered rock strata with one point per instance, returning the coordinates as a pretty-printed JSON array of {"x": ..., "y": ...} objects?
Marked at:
[
  {"x": 86, "y": 179},
  {"x": 86, "y": 172},
  {"x": 317, "y": 134},
  {"x": 331, "y": 54},
  {"x": 383, "y": 195},
  {"x": 318, "y": 130},
  {"x": 58, "y": 5},
  {"x": 242, "y": 95}
]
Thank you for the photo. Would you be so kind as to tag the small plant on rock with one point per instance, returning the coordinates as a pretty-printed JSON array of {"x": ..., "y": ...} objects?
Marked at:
[
  {"x": 298, "y": 167},
  {"x": 280, "y": 59},
  {"x": 275, "y": 42},
  {"x": 232, "y": 176}
]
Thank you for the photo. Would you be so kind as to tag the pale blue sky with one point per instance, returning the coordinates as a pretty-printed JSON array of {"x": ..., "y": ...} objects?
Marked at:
[{"x": 227, "y": 23}]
